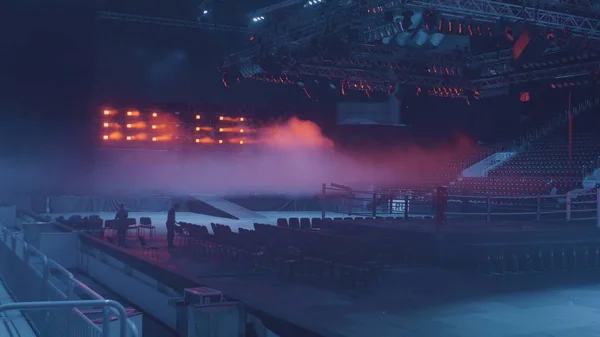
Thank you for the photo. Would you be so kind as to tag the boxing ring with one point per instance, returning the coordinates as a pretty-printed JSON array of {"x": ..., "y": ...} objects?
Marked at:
[{"x": 570, "y": 207}]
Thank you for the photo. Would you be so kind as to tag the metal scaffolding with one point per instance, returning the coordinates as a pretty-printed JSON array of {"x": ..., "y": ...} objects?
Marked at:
[
  {"x": 374, "y": 76},
  {"x": 169, "y": 22},
  {"x": 400, "y": 77},
  {"x": 300, "y": 32},
  {"x": 397, "y": 54},
  {"x": 583, "y": 6},
  {"x": 537, "y": 75},
  {"x": 492, "y": 10}
]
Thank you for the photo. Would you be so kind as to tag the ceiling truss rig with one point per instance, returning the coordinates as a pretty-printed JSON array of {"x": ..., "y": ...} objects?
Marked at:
[
  {"x": 491, "y": 10},
  {"x": 169, "y": 22},
  {"x": 370, "y": 76}
]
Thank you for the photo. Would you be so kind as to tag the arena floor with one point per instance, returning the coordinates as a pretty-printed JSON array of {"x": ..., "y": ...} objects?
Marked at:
[{"x": 411, "y": 301}]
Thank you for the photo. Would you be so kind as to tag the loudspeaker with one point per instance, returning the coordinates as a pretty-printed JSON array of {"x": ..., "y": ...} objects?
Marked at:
[{"x": 441, "y": 204}]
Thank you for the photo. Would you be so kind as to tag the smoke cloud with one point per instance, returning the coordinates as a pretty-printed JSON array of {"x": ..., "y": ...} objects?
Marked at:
[{"x": 292, "y": 157}]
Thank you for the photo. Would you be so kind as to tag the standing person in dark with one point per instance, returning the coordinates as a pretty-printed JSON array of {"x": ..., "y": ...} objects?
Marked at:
[
  {"x": 122, "y": 216},
  {"x": 171, "y": 223}
]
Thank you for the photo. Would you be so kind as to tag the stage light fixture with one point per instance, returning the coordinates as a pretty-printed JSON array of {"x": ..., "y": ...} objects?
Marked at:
[
  {"x": 197, "y": 128},
  {"x": 241, "y": 142},
  {"x": 312, "y": 3},
  {"x": 197, "y": 140},
  {"x": 220, "y": 129},
  {"x": 154, "y": 114},
  {"x": 242, "y": 119},
  {"x": 154, "y": 127},
  {"x": 153, "y": 139},
  {"x": 220, "y": 141},
  {"x": 129, "y": 138},
  {"x": 105, "y": 137},
  {"x": 258, "y": 18},
  {"x": 128, "y": 126},
  {"x": 241, "y": 130},
  {"x": 106, "y": 112},
  {"x": 197, "y": 116},
  {"x": 129, "y": 113},
  {"x": 106, "y": 125},
  {"x": 221, "y": 118}
]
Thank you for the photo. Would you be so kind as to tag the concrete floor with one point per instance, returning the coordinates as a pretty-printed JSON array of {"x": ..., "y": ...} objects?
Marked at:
[
  {"x": 410, "y": 301},
  {"x": 13, "y": 323}
]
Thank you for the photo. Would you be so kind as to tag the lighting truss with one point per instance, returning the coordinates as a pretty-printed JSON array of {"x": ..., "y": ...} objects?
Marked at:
[
  {"x": 582, "y": 5},
  {"x": 393, "y": 54},
  {"x": 329, "y": 22},
  {"x": 169, "y": 22},
  {"x": 492, "y": 10},
  {"x": 368, "y": 76},
  {"x": 536, "y": 75},
  {"x": 277, "y": 6}
]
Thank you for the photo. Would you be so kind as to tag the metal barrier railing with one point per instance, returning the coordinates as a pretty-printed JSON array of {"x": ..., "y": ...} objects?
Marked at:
[
  {"x": 28, "y": 284},
  {"x": 72, "y": 306},
  {"x": 568, "y": 207}
]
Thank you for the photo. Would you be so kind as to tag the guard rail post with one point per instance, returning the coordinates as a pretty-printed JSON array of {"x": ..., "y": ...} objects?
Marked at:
[
  {"x": 539, "y": 208},
  {"x": 489, "y": 209},
  {"x": 323, "y": 198},
  {"x": 568, "y": 205},
  {"x": 597, "y": 206},
  {"x": 124, "y": 327},
  {"x": 374, "y": 205}
]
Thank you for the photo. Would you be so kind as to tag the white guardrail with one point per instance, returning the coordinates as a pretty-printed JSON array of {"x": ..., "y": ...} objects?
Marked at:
[
  {"x": 51, "y": 307},
  {"x": 568, "y": 207}
]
